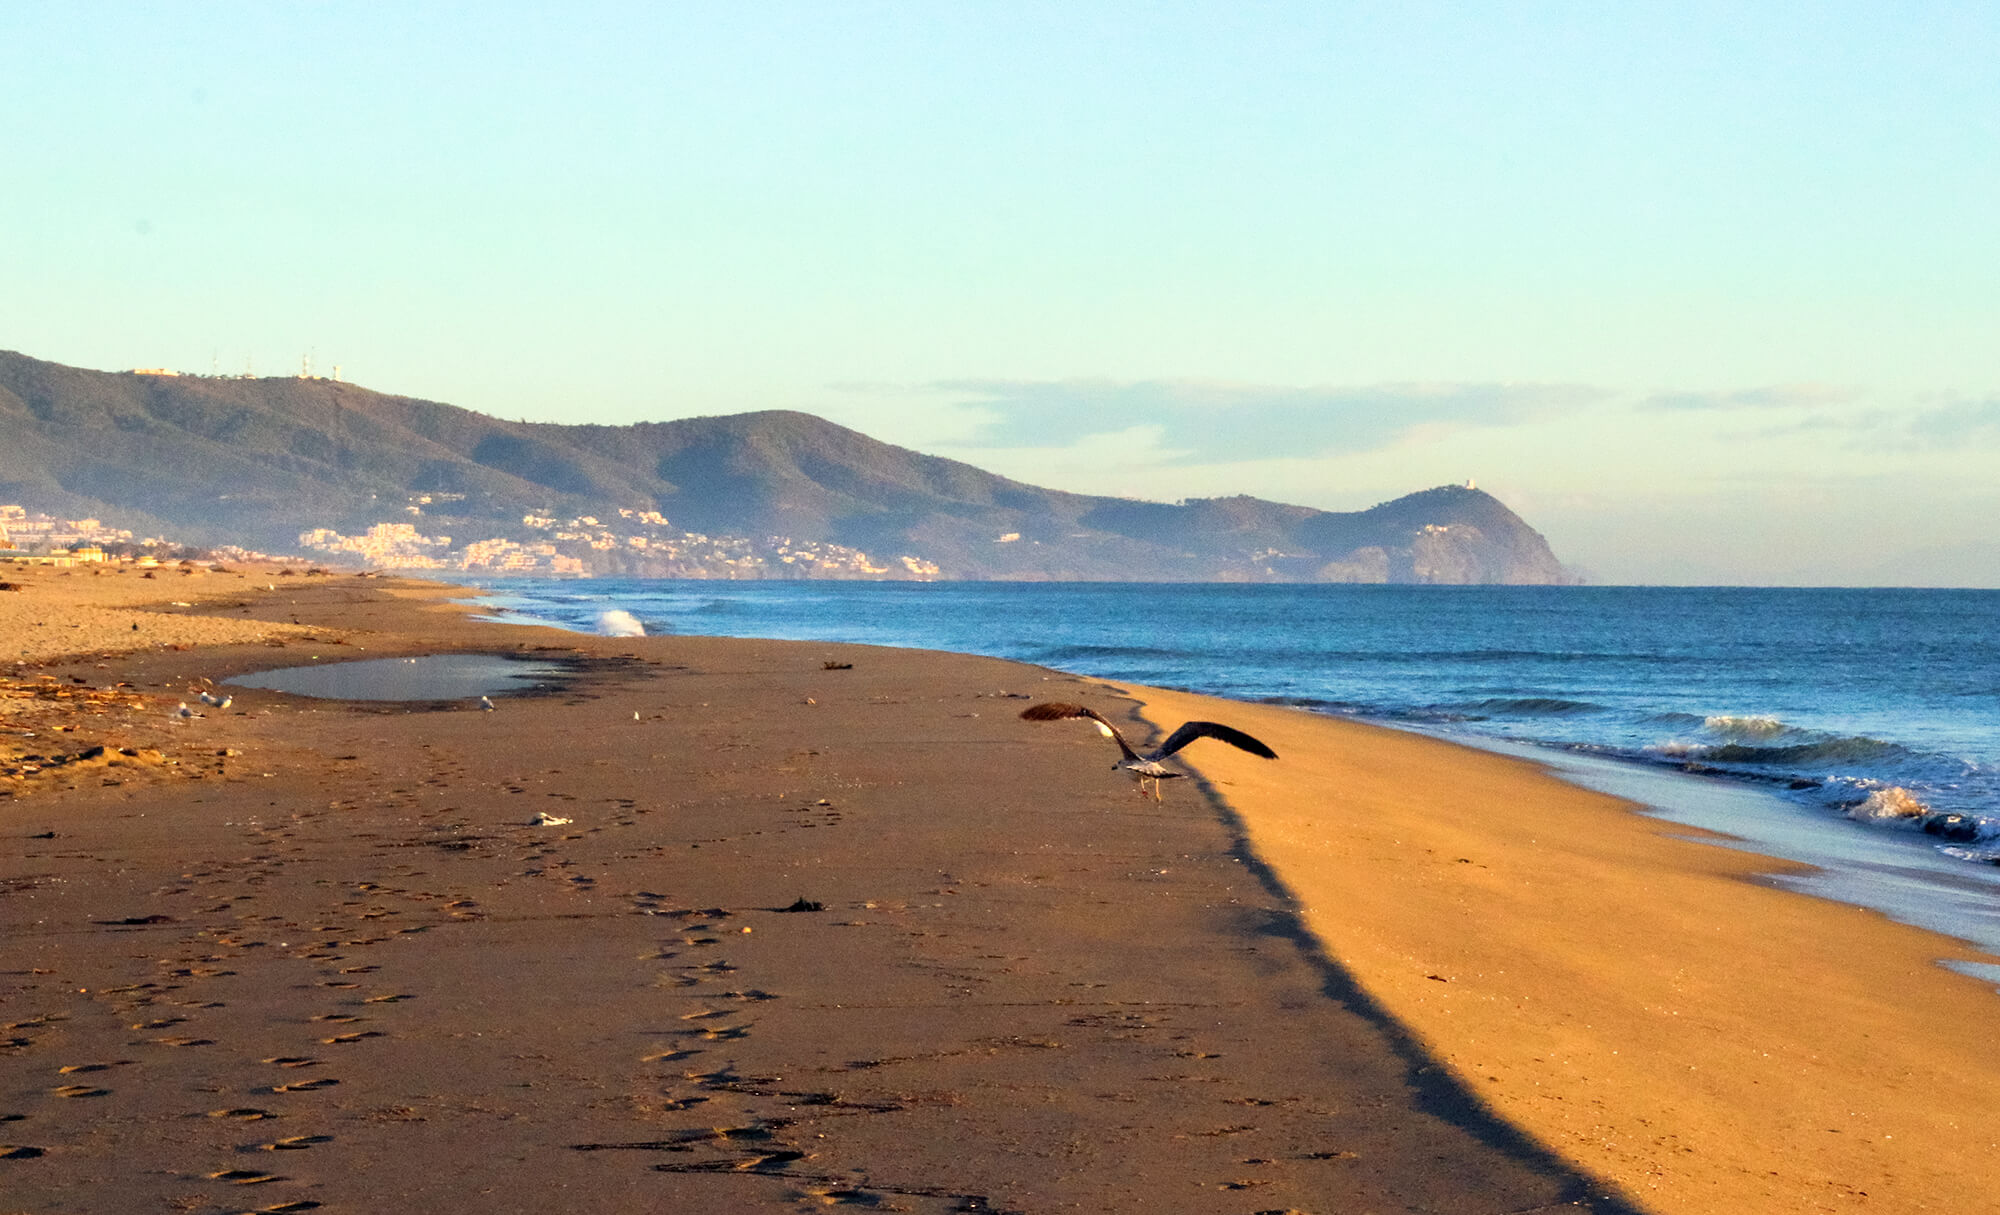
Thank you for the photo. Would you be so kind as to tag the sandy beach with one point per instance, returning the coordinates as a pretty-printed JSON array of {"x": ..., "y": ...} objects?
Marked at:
[
  {"x": 1626, "y": 995},
  {"x": 709, "y": 925}
]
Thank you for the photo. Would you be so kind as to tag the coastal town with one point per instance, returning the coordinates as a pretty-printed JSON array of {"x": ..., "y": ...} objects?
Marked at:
[
  {"x": 35, "y": 538},
  {"x": 635, "y": 542}
]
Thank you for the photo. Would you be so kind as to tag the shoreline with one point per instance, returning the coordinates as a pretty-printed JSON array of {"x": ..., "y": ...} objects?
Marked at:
[
  {"x": 1647, "y": 1003},
  {"x": 1850, "y": 865},
  {"x": 1178, "y": 1039}
]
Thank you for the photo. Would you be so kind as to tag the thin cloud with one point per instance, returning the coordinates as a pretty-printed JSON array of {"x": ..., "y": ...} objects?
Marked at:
[
  {"x": 1206, "y": 422},
  {"x": 1773, "y": 396},
  {"x": 1961, "y": 424},
  {"x": 1870, "y": 425}
]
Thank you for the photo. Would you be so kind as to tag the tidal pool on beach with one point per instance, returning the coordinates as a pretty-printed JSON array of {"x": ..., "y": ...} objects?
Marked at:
[{"x": 426, "y": 677}]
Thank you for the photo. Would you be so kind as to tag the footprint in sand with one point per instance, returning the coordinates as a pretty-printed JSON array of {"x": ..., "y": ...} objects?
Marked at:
[
  {"x": 80, "y": 1090},
  {"x": 296, "y": 1143},
  {"x": 293, "y": 1061},
  {"x": 35, "y": 1022},
  {"x": 389, "y": 999},
  {"x": 76, "y": 1069},
  {"x": 243, "y": 1113},
  {"x": 346, "y": 1039},
  {"x": 184, "y": 1041},
  {"x": 723, "y": 1033},
  {"x": 841, "y": 1196},
  {"x": 305, "y": 1086},
  {"x": 244, "y": 1177}
]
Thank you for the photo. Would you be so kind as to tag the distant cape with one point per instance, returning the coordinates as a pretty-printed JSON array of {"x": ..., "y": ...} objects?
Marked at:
[{"x": 260, "y": 461}]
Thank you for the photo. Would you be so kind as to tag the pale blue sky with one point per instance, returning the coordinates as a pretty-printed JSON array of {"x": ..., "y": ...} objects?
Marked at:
[{"x": 1708, "y": 292}]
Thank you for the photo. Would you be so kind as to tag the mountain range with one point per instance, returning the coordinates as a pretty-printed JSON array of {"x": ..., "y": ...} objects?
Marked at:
[{"x": 259, "y": 461}]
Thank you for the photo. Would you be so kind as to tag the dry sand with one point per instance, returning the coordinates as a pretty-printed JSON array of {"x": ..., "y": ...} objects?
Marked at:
[
  {"x": 319, "y": 957},
  {"x": 47, "y": 612}
]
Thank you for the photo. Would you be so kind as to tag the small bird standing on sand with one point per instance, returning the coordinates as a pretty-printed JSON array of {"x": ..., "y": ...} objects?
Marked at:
[
  {"x": 1148, "y": 767},
  {"x": 485, "y": 704},
  {"x": 220, "y": 702}
]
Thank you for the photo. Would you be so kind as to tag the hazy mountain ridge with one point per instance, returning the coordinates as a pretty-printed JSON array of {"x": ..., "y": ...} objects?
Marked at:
[{"x": 258, "y": 461}]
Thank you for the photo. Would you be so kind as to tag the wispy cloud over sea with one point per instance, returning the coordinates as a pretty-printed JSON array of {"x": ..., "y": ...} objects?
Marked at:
[{"x": 1205, "y": 422}]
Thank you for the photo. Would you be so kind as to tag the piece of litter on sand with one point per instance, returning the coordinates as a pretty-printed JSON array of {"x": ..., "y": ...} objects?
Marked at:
[{"x": 548, "y": 820}]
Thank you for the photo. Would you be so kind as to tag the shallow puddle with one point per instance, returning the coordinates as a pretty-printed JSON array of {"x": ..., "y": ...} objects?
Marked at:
[{"x": 429, "y": 677}]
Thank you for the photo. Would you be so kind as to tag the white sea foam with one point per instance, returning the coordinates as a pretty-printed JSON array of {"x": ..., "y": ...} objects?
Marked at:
[
  {"x": 1892, "y": 804},
  {"x": 619, "y": 623},
  {"x": 1745, "y": 727},
  {"x": 1982, "y": 856}
]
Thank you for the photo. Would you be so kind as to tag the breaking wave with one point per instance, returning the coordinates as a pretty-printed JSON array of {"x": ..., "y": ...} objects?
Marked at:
[
  {"x": 619, "y": 623},
  {"x": 1823, "y": 752},
  {"x": 1895, "y": 806},
  {"x": 1746, "y": 727}
]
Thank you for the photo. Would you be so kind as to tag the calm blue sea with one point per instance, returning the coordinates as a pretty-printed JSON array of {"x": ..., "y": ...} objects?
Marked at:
[{"x": 1864, "y": 721}]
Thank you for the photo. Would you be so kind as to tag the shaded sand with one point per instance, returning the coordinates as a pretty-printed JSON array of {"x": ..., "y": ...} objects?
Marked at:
[
  {"x": 1630, "y": 998},
  {"x": 325, "y": 959}
]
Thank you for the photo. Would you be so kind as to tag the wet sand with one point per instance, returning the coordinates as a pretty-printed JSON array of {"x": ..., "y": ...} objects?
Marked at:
[
  {"x": 1633, "y": 999},
  {"x": 811, "y": 937}
]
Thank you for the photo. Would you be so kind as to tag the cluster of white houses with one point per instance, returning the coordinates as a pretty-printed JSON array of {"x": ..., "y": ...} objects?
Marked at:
[
  {"x": 638, "y": 542},
  {"x": 45, "y": 540}
]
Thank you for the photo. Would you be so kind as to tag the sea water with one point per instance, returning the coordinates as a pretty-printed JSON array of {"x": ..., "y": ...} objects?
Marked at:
[{"x": 1854, "y": 729}]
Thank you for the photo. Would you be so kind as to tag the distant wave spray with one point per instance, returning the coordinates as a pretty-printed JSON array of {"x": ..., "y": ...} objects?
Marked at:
[{"x": 619, "y": 623}]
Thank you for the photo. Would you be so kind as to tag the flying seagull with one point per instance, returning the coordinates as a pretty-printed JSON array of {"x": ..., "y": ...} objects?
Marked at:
[{"x": 1148, "y": 767}]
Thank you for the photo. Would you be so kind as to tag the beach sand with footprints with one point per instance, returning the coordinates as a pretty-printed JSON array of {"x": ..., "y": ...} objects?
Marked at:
[{"x": 707, "y": 925}]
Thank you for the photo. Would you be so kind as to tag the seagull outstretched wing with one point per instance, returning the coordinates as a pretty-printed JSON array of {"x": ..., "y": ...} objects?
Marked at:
[
  {"x": 1210, "y": 729},
  {"x": 1189, "y": 731},
  {"x": 1057, "y": 710}
]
